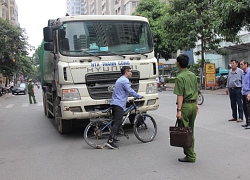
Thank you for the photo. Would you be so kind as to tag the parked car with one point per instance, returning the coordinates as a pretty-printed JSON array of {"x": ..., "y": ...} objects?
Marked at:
[{"x": 20, "y": 88}]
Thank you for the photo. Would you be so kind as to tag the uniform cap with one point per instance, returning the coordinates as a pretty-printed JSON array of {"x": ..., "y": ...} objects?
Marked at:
[{"x": 30, "y": 80}]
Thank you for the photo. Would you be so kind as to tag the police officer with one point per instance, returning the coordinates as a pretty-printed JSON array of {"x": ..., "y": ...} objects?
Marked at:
[
  {"x": 187, "y": 106},
  {"x": 31, "y": 92}
]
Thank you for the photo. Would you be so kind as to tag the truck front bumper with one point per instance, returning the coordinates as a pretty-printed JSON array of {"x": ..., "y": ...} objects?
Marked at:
[{"x": 86, "y": 107}]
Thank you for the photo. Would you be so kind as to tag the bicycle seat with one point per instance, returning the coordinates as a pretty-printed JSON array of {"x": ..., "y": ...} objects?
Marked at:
[{"x": 107, "y": 110}]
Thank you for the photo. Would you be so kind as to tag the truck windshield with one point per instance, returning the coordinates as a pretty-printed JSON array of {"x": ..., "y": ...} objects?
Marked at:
[{"x": 104, "y": 38}]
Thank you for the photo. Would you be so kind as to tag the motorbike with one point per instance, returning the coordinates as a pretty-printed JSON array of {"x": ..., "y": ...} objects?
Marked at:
[
  {"x": 161, "y": 87},
  {"x": 221, "y": 81},
  {"x": 200, "y": 98},
  {"x": 38, "y": 86},
  {"x": 6, "y": 90}
]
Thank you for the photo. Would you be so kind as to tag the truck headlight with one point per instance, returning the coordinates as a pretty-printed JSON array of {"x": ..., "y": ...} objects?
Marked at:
[
  {"x": 70, "y": 95},
  {"x": 151, "y": 88}
]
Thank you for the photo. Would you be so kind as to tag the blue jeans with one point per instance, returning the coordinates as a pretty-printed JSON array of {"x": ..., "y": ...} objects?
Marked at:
[{"x": 236, "y": 99}]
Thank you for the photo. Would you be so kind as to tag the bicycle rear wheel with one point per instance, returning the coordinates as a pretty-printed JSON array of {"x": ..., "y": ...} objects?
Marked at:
[
  {"x": 200, "y": 99},
  {"x": 145, "y": 127},
  {"x": 96, "y": 133}
]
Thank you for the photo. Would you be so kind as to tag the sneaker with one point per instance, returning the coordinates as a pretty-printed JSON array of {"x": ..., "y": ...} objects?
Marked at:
[
  {"x": 233, "y": 119},
  {"x": 112, "y": 145}
]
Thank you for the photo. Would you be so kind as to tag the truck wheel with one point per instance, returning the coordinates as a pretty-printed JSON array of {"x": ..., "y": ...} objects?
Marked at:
[
  {"x": 57, "y": 109},
  {"x": 47, "y": 108},
  {"x": 44, "y": 105},
  {"x": 64, "y": 126}
]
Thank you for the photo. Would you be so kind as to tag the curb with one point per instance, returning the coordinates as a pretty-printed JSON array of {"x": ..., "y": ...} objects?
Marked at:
[{"x": 213, "y": 92}]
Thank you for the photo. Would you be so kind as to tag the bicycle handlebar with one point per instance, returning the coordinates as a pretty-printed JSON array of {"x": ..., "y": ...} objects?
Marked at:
[{"x": 132, "y": 100}]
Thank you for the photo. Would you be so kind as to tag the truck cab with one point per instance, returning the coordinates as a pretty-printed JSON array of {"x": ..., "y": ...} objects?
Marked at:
[{"x": 81, "y": 58}]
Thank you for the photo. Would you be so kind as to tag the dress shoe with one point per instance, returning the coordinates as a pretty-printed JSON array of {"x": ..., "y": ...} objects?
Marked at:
[
  {"x": 248, "y": 127},
  {"x": 239, "y": 120},
  {"x": 245, "y": 125},
  {"x": 185, "y": 160},
  {"x": 232, "y": 119},
  {"x": 116, "y": 140}
]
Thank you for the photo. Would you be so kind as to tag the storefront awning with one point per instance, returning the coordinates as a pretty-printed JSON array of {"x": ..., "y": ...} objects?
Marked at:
[{"x": 235, "y": 49}]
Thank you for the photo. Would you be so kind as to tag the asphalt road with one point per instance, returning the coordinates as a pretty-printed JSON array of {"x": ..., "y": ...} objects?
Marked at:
[{"x": 32, "y": 149}]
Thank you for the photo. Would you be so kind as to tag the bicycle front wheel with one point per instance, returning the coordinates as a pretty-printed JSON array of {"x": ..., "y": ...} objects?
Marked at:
[
  {"x": 145, "y": 127},
  {"x": 96, "y": 133}
]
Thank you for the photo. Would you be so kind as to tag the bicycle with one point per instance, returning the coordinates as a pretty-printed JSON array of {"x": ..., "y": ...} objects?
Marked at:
[
  {"x": 200, "y": 98},
  {"x": 98, "y": 130}
]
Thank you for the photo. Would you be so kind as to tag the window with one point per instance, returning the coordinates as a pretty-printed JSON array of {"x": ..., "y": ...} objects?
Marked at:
[{"x": 134, "y": 4}]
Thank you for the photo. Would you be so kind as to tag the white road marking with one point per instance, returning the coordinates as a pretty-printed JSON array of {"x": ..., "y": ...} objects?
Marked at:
[
  {"x": 10, "y": 106},
  {"x": 25, "y": 105}
]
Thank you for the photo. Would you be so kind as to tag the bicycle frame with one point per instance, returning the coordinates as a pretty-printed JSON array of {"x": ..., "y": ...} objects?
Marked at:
[
  {"x": 126, "y": 113},
  {"x": 98, "y": 130}
]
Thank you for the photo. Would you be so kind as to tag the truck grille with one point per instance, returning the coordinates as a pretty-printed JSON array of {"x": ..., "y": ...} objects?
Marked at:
[{"x": 100, "y": 84}]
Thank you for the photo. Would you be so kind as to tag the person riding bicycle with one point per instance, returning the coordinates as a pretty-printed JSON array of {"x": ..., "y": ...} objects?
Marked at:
[{"x": 118, "y": 103}]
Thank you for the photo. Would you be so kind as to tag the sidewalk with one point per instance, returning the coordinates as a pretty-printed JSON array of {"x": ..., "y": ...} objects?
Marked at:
[
  {"x": 5, "y": 96},
  {"x": 170, "y": 87}
]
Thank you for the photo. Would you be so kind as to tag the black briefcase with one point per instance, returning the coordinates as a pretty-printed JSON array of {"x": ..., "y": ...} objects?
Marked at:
[{"x": 180, "y": 136}]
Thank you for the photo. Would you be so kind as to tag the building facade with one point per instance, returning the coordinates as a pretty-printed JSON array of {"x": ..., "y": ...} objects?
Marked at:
[
  {"x": 234, "y": 51},
  {"x": 101, "y": 7},
  {"x": 74, "y": 7},
  {"x": 9, "y": 11}
]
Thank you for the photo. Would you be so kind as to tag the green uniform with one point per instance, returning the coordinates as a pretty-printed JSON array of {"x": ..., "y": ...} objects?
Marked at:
[
  {"x": 31, "y": 93},
  {"x": 186, "y": 86}
]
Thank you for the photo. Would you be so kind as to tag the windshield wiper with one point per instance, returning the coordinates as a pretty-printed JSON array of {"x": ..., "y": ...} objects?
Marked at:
[
  {"x": 109, "y": 52},
  {"x": 92, "y": 54},
  {"x": 87, "y": 53},
  {"x": 143, "y": 54}
]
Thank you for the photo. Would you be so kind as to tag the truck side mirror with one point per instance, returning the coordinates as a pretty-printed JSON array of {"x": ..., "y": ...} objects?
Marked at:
[
  {"x": 48, "y": 34},
  {"x": 49, "y": 46}
]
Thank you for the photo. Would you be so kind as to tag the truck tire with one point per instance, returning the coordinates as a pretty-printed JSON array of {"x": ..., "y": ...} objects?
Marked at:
[
  {"x": 47, "y": 108},
  {"x": 57, "y": 109},
  {"x": 44, "y": 104},
  {"x": 64, "y": 126}
]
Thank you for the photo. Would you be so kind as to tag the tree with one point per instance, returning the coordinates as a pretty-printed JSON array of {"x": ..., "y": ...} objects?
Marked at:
[
  {"x": 154, "y": 11},
  {"x": 35, "y": 60},
  {"x": 234, "y": 16},
  {"x": 35, "y": 57},
  {"x": 13, "y": 48},
  {"x": 26, "y": 66},
  {"x": 191, "y": 21},
  {"x": 195, "y": 68}
]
